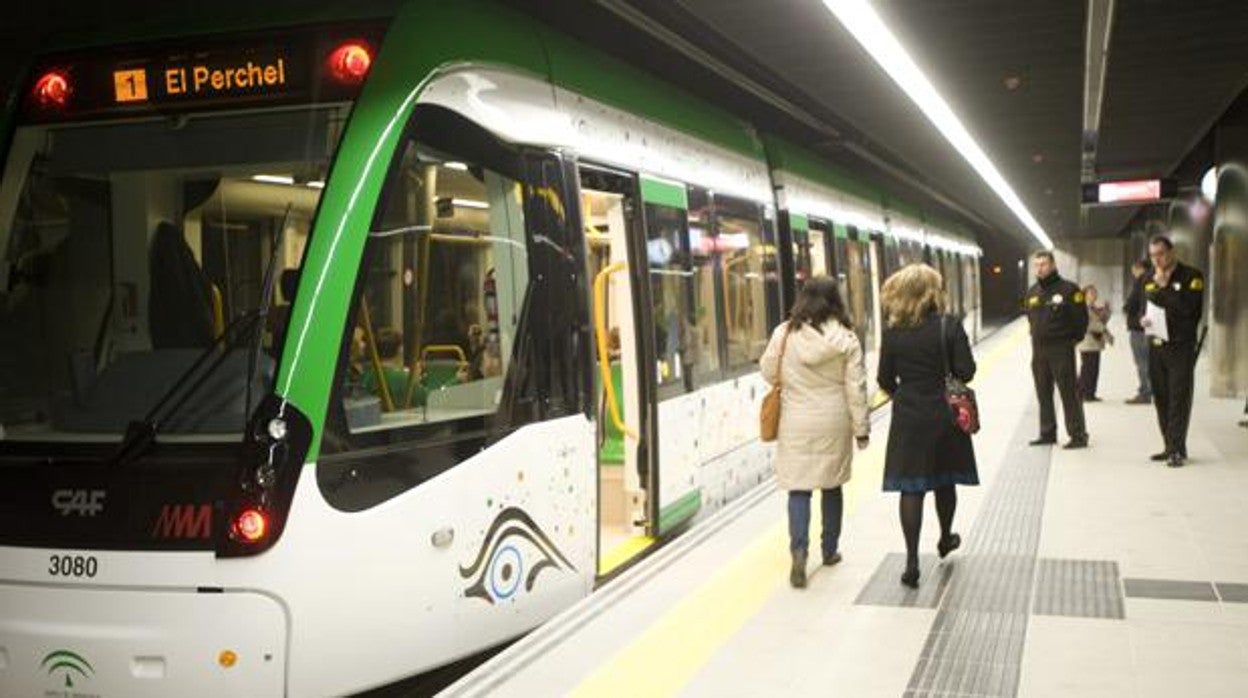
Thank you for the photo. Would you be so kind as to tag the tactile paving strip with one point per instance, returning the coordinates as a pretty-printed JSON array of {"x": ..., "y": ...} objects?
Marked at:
[
  {"x": 884, "y": 587},
  {"x": 1173, "y": 589},
  {"x": 975, "y": 646},
  {"x": 1081, "y": 588}
]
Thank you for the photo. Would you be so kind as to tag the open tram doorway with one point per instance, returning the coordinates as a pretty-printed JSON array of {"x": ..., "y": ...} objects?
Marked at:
[{"x": 627, "y": 467}]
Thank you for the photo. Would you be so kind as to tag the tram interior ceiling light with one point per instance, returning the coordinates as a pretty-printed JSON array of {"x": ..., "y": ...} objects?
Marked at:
[
  {"x": 273, "y": 179},
  {"x": 861, "y": 21}
]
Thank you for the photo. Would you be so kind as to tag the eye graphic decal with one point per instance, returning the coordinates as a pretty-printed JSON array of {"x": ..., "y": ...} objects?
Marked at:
[{"x": 502, "y": 563}]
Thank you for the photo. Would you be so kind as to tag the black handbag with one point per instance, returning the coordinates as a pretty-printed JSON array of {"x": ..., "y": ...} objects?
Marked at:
[{"x": 963, "y": 407}]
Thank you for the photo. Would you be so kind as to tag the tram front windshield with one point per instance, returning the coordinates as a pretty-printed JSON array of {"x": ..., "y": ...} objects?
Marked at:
[{"x": 128, "y": 248}]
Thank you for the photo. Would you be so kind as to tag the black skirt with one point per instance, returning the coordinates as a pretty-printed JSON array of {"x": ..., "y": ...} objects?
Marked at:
[{"x": 926, "y": 450}]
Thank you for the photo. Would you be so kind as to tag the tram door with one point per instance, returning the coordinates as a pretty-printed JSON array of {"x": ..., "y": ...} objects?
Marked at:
[
  {"x": 627, "y": 459},
  {"x": 854, "y": 264}
]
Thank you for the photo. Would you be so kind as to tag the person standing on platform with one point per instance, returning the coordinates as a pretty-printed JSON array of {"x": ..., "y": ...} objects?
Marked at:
[
  {"x": 1134, "y": 310},
  {"x": 1094, "y": 342},
  {"x": 817, "y": 361},
  {"x": 1178, "y": 291},
  {"x": 927, "y": 451},
  {"x": 1058, "y": 318}
]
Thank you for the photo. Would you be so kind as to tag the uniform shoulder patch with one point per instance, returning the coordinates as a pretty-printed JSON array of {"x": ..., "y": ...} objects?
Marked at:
[
  {"x": 1150, "y": 286},
  {"x": 1078, "y": 297},
  {"x": 1198, "y": 284}
]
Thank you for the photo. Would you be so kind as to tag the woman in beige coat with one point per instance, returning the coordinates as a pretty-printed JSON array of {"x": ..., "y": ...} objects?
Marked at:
[{"x": 816, "y": 359}]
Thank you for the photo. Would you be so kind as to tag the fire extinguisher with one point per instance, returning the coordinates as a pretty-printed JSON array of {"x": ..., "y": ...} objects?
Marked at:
[{"x": 490, "y": 287}]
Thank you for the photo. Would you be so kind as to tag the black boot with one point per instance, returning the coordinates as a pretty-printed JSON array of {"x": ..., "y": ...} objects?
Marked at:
[
  {"x": 910, "y": 577},
  {"x": 797, "y": 575},
  {"x": 947, "y": 545}
]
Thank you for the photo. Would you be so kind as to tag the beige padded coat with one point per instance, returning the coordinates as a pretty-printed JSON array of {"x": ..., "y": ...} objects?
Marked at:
[{"x": 823, "y": 404}]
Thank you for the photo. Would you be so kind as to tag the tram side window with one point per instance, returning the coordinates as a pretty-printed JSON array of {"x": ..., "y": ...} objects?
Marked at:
[
  {"x": 704, "y": 341},
  {"x": 446, "y": 273},
  {"x": 816, "y": 238},
  {"x": 802, "y": 257},
  {"x": 746, "y": 261},
  {"x": 672, "y": 295}
]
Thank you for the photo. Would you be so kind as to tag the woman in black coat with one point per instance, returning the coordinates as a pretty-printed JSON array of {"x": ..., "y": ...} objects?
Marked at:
[{"x": 926, "y": 450}]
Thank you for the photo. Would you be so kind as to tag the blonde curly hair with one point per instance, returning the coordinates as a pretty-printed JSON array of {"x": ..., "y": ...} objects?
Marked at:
[{"x": 911, "y": 294}]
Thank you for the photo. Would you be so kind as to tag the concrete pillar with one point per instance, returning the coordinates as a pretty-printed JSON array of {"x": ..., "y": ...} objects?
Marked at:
[{"x": 1228, "y": 284}]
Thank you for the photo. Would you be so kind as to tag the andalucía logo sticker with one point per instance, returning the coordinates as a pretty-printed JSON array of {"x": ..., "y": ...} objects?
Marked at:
[{"x": 69, "y": 668}]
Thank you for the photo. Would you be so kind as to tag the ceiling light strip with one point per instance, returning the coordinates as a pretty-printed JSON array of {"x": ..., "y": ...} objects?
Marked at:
[{"x": 861, "y": 20}]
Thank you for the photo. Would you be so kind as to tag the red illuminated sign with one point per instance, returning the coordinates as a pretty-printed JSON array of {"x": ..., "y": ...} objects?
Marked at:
[
  {"x": 1132, "y": 191},
  {"x": 1138, "y": 190}
]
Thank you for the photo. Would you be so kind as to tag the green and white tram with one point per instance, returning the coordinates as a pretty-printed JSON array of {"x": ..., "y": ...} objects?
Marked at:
[{"x": 335, "y": 351}]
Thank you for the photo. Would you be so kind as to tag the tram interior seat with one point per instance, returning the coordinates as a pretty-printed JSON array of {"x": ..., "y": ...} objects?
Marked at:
[
  {"x": 180, "y": 301},
  {"x": 181, "y": 322}
]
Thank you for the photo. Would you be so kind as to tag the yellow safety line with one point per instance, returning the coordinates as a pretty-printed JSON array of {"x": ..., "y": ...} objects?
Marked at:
[
  {"x": 623, "y": 552},
  {"x": 668, "y": 655}
]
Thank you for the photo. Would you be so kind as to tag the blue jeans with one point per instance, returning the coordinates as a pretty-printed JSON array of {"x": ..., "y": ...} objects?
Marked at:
[
  {"x": 1139, "y": 351},
  {"x": 832, "y": 504}
]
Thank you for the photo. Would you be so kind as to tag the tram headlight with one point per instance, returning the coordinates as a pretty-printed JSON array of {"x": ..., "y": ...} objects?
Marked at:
[
  {"x": 251, "y": 525},
  {"x": 256, "y": 504},
  {"x": 266, "y": 475},
  {"x": 349, "y": 63},
  {"x": 277, "y": 429},
  {"x": 52, "y": 90}
]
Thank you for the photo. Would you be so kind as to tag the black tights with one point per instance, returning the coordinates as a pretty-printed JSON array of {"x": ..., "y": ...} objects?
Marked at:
[{"x": 912, "y": 518}]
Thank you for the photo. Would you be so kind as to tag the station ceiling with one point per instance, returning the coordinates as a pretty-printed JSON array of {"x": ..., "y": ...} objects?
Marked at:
[{"x": 1013, "y": 70}]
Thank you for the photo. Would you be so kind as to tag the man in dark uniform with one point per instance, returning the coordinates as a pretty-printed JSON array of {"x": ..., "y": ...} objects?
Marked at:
[
  {"x": 1058, "y": 316},
  {"x": 1180, "y": 291}
]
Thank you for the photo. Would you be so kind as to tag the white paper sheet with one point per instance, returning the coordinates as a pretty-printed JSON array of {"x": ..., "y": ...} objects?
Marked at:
[{"x": 1155, "y": 322}]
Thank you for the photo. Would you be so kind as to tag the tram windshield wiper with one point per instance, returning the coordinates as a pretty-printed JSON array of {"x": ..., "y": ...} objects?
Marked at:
[{"x": 140, "y": 435}]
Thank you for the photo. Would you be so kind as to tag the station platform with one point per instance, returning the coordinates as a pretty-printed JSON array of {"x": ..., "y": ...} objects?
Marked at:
[{"x": 1082, "y": 573}]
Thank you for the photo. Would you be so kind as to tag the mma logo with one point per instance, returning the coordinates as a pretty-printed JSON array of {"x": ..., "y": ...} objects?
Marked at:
[{"x": 183, "y": 521}]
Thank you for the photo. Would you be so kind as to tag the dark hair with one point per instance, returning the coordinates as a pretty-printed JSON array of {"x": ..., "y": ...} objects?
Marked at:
[
  {"x": 1163, "y": 241},
  {"x": 1139, "y": 263},
  {"x": 1045, "y": 254},
  {"x": 817, "y": 302}
]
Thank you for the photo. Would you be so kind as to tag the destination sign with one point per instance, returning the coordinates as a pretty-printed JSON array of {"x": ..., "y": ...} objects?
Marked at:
[{"x": 286, "y": 68}]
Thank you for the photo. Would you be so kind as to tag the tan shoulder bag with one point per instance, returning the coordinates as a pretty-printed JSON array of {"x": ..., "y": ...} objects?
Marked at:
[{"x": 769, "y": 415}]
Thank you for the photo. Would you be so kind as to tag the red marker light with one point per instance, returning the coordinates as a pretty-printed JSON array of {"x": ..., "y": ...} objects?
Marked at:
[
  {"x": 350, "y": 62},
  {"x": 251, "y": 526},
  {"x": 52, "y": 90}
]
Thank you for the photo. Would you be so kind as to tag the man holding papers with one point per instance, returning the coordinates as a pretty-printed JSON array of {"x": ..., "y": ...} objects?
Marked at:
[{"x": 1174, "y": 303}]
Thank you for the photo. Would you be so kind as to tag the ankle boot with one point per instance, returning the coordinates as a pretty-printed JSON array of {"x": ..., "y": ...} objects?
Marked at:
[{"x": 797, "y": 575}]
